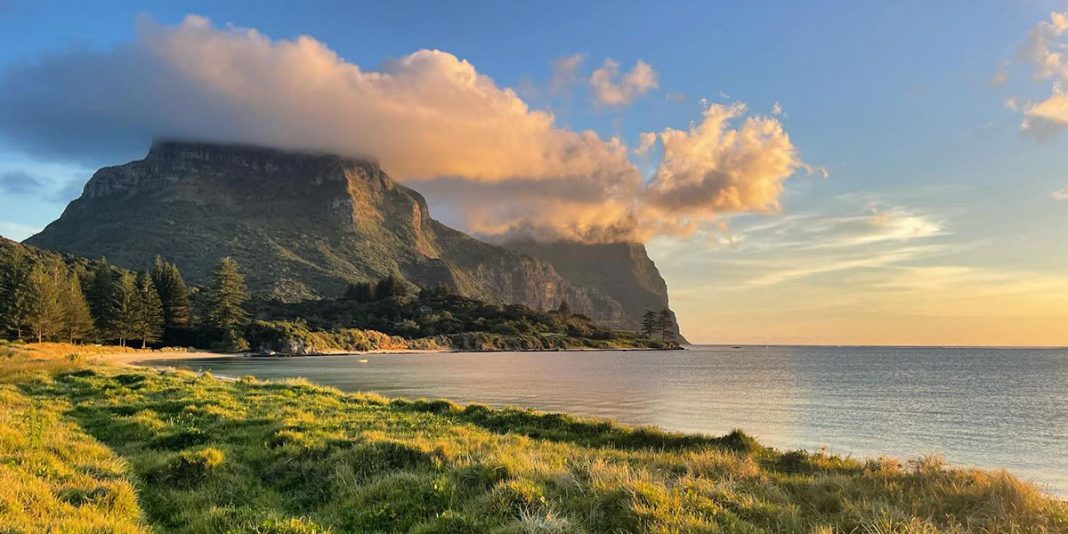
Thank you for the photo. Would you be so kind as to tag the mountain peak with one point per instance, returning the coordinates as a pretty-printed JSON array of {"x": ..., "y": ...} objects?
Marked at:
[{"x": 302, "y": 225}]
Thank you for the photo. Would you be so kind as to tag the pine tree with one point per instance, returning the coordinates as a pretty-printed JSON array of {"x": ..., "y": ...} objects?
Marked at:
[
  {"x": 77, "y": 320},
  {"x": 650, "y": 324},
  {"x": 98, "y": 292},
  {"x": 564, "y": 309},
  {"x": 225, "y": 301},
  {"x": 45, "y": 312},
  {"x": 15, "y": 294},
  {"x": 666, "y": 323},
  {"x": 148, "y": 311},
  {"x": 173, "y": 294},
  {"x": 120, "y": 313}
]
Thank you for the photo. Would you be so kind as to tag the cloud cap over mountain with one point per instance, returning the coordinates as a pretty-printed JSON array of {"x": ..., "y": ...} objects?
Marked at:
[{"x": 429, "y": 115}]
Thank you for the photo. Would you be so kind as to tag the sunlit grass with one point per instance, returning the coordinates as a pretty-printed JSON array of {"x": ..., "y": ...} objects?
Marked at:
[
  {"x": 56, "y": 478},
  {"x": 208, "y": 455}
]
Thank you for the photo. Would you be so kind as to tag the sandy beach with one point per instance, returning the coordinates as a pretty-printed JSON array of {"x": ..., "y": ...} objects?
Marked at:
[{"x": 135, "y": 358}]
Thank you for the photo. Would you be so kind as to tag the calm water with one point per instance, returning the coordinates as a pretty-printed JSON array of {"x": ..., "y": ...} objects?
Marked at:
[{"x": 983, "y": 407}]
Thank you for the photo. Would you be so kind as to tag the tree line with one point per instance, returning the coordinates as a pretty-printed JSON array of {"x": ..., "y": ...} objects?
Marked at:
[
  {"x": 44, "y": 300},
  {"x": 660, "y": 325}
]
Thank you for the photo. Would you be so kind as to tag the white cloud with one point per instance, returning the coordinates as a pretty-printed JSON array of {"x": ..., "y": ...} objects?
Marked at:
[
  {"x": 1061, "y": 194},
  {"x": 611, "y": 88}
]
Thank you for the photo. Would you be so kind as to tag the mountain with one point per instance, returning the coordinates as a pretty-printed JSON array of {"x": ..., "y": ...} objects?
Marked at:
[
  {"x": 623, "y": 271},
  {"x": 302, "y": 225}
]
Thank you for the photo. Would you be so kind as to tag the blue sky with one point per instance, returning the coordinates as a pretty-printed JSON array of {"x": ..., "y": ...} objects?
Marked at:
[{"x": 938, "y": 219}]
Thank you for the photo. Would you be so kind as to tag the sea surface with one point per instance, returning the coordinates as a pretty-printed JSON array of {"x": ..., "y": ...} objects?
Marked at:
[{"x": 989, "y": 408}]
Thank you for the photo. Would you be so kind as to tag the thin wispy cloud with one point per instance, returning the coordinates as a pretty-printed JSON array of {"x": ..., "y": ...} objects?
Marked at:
[
  {"x": 565, "y": 73},
  {"x": 19, "y": 183},
  {"x": 852, "y": 235},
  {"x": 17, "y": 231}
]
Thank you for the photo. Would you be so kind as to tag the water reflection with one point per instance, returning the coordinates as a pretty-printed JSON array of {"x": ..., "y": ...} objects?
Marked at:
[{"x": 990, "y": 408}]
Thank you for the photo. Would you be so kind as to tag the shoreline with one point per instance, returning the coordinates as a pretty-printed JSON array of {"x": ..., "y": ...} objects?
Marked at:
[{"x": 134, "y": 358}]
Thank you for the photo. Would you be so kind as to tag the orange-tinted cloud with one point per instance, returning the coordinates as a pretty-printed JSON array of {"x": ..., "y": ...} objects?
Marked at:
[
  {"x": 714, "y": 168},
  {"x": 612, "y": 88},
  {"x": 500, "y": 167},
  {"x": 1044, "y": 51}
]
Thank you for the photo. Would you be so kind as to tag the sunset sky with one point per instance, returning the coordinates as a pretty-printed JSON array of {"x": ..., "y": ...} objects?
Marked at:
[{"x": 847, "y": 173}]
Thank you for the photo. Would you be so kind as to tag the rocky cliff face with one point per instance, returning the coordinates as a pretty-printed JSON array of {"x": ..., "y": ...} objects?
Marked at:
[
  {"x": 303, "y": 225},
  {"x": 623, "y": 271}
]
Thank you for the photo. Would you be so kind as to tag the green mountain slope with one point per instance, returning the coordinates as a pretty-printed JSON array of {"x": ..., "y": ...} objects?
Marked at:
[{"x": 302, "y": 225}]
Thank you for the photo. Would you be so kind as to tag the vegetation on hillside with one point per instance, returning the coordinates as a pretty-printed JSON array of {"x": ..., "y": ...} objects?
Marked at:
[
  {"x": 46, "y": 296},
  {"x": 93, "y": 448},
  {"x": 442, "y": 319}
]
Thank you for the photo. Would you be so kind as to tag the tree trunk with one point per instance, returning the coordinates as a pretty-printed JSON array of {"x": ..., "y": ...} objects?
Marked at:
[{"x": 143, "y": 344}]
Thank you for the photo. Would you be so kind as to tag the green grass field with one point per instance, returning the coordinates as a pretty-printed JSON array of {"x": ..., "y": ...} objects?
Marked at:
[{"x": 88, "y": 447}]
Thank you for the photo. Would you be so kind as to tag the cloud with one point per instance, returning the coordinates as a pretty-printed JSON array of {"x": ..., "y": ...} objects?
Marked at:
[
  {"x": 565, "y": 73},
  {"x": 16, "y": 231},
  {"x": 612, "y": 88},
  {"x": 1044, "y": 52},
  {"x": 424, "y": 115},
  {"x": 1047, "y": 117},
  {"x": 500, "y": 167},
  {"x": 1061, "y": 194},
  {"x": 1001, "y": 75},
  {"x": 646, "y": 142},
  {"x": 713, "y": 168},
  {"x": 846, "y": 238},
  {"x": 19, "y": 183}
]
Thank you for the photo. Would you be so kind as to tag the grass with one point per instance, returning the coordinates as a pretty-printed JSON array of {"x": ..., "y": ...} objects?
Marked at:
[{"x": 87, "y": 447}]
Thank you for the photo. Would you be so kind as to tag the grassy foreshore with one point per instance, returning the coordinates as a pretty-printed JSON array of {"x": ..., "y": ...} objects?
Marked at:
[{"x": 90, "y": 447}]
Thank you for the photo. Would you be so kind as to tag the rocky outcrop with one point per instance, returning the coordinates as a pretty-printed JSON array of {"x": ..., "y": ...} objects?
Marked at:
[
  {"x": 301, "y": 225},
  {"x": 622, "y": 271}
]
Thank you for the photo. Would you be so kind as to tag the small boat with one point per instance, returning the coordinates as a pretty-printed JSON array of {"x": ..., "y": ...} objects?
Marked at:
[{"x": 362, "y": 360}]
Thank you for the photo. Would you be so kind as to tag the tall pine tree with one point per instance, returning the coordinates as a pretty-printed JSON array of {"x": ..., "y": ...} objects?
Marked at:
[
  {"x": 147, "y": 312},
  {"x": 45, "y": 317},
  {"x": 173, "y": 294},
  {"x": 666, "y": 323},
  {"x": 15, "y": 294},
  {"x": 98, "y": 292},
  {"x": 225, "y": 300},
  {"x": 120, "y": 312},
  {"x": 649, "y": 324},
  {"x": 77, "y": 321}
]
